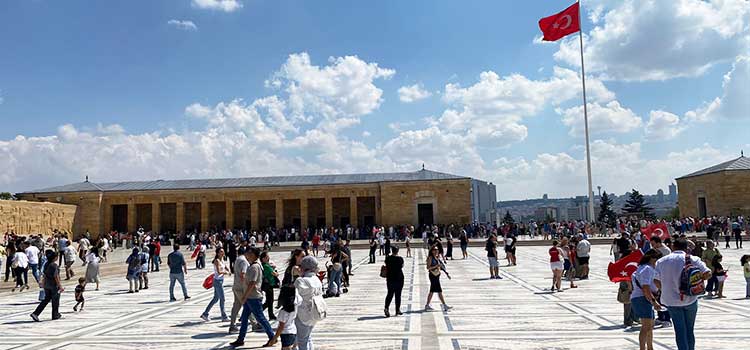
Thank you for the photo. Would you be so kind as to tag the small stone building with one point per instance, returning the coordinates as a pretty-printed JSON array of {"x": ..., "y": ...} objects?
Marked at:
[
  {"x": 723, "y": 189},
  {"x": 360, "y": 200}
]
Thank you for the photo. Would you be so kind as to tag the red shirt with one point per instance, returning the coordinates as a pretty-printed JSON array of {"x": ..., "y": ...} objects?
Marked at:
[
  {"x": 554, "y": 254},
  {"x": 316, "y": 240}
]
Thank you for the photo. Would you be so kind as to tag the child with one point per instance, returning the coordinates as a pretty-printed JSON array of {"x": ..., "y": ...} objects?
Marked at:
[
  {"x": 80, "y": 288},
  {"x": 721, "y": 275},
  {"x": 145, "y": 258},
  {"x": 286, "y": 330},
  {"x": 745, "y": 261}
]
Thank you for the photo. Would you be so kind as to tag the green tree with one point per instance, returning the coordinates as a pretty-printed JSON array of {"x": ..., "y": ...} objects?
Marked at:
[
  {"x": 606, "y": 216},
  {"x": 6, "y": 196},
  {"x": 508, "y": 219},
  {"x": 636, "y": 204}
]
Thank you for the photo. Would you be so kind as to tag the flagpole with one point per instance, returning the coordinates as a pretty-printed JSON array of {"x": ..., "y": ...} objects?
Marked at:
[{"x": 586, "y": 121}]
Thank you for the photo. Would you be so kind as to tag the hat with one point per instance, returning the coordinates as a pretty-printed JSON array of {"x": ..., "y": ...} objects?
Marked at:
[{"x": 309, "y": 263}]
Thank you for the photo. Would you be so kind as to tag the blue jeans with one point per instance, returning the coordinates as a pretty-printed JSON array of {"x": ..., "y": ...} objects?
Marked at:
[
  {"x": 334, "y": 282},
  {"x": 179, "y": 277},
  {"x": 35, "y": 271},
  {"x": 683, "y": 321},
  {"x": 747, "y": 286},
  {"x": 256, "y": 307},
  {"x": 218, "y": 296},
  {"x": 304, "y": 342}
]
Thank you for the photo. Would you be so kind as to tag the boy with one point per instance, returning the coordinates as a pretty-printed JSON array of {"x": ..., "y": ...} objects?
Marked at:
[{"x": 80, "y": 288}]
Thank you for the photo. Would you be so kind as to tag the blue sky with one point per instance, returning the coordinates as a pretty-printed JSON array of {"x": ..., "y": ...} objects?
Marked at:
[{"x": 150, "y": 89}]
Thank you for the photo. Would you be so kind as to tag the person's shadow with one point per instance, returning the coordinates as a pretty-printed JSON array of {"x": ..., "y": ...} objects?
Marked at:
[
  {"x": 188, "y": 324},
  {"x": 19, "y": 322},
  {"x": 209, "y": 335}
]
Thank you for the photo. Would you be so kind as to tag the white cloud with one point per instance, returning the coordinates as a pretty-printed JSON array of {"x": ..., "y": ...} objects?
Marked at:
[
  {"x": 412, "y": 93},
  {"x": 366, "y": 134},
  {"x": 663, "y": 126},
  {"x": 657, "y": 40},
  {"x": 183, "y": 25},
  {"x": 603, "y": 118},
  {"x": 734, "y": 102},
  {"x": 220, "y": 5},
  {"x": 340, "y": 93}
]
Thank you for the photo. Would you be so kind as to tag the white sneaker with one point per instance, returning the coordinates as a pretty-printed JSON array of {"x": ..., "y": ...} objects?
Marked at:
[
  {"x": 446, "y": 307},
  {"x": 204, "y": 317},
  {"x": 428, "y": 308},
  {"x": 666, "y": 324}
]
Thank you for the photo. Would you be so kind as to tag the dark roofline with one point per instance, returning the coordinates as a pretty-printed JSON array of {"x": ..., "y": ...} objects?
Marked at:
[
  {"x": 102, "y": 190},
  {"x": 718, "y": 168}
]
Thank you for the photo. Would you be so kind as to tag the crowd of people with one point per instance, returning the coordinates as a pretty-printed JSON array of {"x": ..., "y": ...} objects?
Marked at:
[{"x": 654, "y": 296}]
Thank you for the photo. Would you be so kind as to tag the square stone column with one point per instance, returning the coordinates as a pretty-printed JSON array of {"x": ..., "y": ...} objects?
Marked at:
[
  {"x": 107, "y": 218},
  {"x": 254, "y": 215},
  {"x": 353, "y": 211},
  {"x": 180, "y": 217},
  {"x": 329, "y": 211},
  {"x": 155, "y": 217},
  {"x": 131, "y": 217},
  {"x": 279, "y": 213},
  {"x": 204, "y": 216},
  {"x": 303, "y": 214},
  {"x": 230, "y": 214}
]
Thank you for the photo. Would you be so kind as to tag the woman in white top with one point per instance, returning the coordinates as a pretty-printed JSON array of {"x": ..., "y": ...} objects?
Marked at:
[
  {"x": 311, "y": 291},
  {"x": 20, "y": 264},
  {"x": 220, "y": 269},
  {"x": 643, "y": 299},
  {"x": 92, "y": 267}
]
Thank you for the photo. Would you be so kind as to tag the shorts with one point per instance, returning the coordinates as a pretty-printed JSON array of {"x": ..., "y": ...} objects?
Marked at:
[
  {"x": 556, "y": 265},
  {"x": 493, "y": 261},
  {"x": 288, "y": 340},
  {"x": 642, "y": 308},
  {"x": 510, "y": 249},
  {"x": 582, "y": 260}
]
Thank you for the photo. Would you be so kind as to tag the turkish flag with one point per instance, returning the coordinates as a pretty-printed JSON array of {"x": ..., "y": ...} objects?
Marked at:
[
  {"x": 557, "y": 26},
  {"x": 661, "y": 230},
  {"x": 622, "y": 269},
  {"x": 195, "y": 252}
]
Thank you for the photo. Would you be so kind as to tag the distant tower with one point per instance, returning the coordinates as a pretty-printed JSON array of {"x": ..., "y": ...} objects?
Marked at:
[
  {"x": 672, "y": 192},
  {"x": 660, "y": 196},
  {"x": 545, "y": 197},
  {"x": 600, "y": 190}
]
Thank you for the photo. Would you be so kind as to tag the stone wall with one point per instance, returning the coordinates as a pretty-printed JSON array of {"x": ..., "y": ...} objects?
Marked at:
[
  {"x": 24, "y": 217},
  {"x": 726, "y": 193}
]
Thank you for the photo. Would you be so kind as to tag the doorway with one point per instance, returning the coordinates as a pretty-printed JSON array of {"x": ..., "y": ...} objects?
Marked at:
[
  {"x": 702, "y": 207},
  {"x": 424, "y": 214}
]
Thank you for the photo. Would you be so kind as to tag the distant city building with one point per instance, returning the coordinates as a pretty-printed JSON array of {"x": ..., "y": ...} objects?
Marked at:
[
  {"x": 545, "y": 197},
  {"x": 542, "y": 214},
  {"x": 672, "y": 193},
  {"x": 722, "y": 189},
  {"x": 660, "y": 196},
  {"x": 483, "y": 201}
]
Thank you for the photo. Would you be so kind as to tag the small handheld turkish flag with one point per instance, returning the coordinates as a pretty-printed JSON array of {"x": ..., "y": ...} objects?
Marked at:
[
  {"x": 557, "y": 26},
  {"x": 622, "y": 269},
  {"x": 660, "y": 230}
]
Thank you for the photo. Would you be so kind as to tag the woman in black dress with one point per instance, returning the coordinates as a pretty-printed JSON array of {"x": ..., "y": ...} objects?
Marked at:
[
  {"x": 433, "y": 272},
  {"x": 394, "y": 280}
]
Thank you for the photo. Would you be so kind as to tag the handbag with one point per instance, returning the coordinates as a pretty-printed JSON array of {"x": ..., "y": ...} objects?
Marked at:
[
  {"x": 208, "y": 282},
  {"x": 384, "y": 271}
]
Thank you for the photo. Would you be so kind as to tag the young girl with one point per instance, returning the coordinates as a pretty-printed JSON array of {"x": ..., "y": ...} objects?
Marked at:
[
  {"x": 721, "y": 275},
  {"x": 745, "y": 262},
  {"x": 287, "y": 330},
  {"x": 80, "y": 288}
]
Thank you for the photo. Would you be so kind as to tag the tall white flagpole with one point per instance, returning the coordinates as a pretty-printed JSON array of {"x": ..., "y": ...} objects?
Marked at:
[{"x": 586, "y": 120}]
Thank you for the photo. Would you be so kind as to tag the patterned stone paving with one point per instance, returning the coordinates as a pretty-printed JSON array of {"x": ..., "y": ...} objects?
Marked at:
[{"x": 514, "y": 313}]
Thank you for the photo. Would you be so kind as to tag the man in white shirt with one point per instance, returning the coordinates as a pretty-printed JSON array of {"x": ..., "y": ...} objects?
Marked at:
[
  {"x": 83, "y": 248},
  {"x": 583, "y": 248},
  {"x": 32, "y": 252},
  {"x": 682, "y": 308}
]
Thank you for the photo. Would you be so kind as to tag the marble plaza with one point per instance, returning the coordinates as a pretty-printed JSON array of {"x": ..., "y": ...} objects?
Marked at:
[{"x": 514, "y": 313}]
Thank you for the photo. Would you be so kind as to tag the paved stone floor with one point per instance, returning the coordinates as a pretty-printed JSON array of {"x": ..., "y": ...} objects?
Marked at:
[{"x": 514, "y": 313}]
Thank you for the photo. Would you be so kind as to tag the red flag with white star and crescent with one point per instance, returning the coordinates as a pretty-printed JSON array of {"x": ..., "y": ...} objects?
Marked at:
[
  {"x": 622, "y": 269},
  {"x": 558, "y": 26},
  {"x": 659, "y": 229}
]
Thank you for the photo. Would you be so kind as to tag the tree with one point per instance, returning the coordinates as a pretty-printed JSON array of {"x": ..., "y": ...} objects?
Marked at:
[
  {"x": 636, "y": 204},
  {"x": 6, "y": 196},
  {"x": 508, "y": 219},
  {"x": 606, "y": 216}
]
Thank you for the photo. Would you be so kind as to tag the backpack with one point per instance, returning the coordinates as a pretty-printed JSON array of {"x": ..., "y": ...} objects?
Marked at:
[
  {"x": 691, "y": 279},
  {"x": 319, "y": 308}
]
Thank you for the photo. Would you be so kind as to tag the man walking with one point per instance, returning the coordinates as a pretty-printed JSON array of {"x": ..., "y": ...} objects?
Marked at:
[
  {"x": 253, "y": 299},
  {"x": 583, "y": 249},
  {"x": 52, "y": 289},
  {"x": 491, "y": 248},
  {"x": 238, "y": 287},
  {"x": 177, "y": 272},
  {"x": 682, "y": 308}
]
